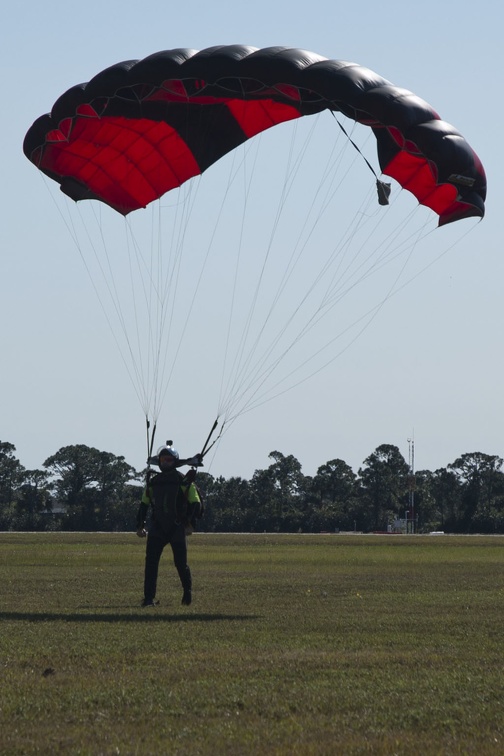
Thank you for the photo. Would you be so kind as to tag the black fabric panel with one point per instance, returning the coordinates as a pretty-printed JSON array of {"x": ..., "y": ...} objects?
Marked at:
[{"x": 210, "y": 131}]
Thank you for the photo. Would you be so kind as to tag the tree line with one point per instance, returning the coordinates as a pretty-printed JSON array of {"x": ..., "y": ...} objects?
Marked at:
[{"x": 82, "y": 488}]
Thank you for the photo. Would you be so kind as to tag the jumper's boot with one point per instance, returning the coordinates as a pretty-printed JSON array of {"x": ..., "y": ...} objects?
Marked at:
[
  {"x": 149, "y": 602},
  {"x": 187, "y": 586}
]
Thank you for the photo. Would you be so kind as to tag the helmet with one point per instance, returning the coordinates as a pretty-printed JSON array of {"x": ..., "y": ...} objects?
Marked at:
[{"x": 163, "y": 450}]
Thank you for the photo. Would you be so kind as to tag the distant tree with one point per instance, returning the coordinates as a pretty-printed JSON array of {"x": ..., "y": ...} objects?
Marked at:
[
  {"x": 226, "y": 504},
  {"x": 481, "y": 481},
  {"x": 333, "y": 497},
  {"x": 445, "y": 490},
  {"x": 428, "y": 514},
  {"x": 91, "y": 485},
  {"x": 384, "y": 486},
  {"x": 11, "y": 472},
  {"x": 11, "y": 475},
  {"x": 334, "y": 481},
  {"x": 34, "y": 502},
  {"x": 120, "y": 510},
  {"x": 115, "y": 492},
  {"x": 277, "y": 494},
  {"x": 265, "y": 502}
]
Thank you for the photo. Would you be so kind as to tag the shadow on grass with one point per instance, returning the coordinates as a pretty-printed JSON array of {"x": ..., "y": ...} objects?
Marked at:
[{"x": 143, "y": 616}]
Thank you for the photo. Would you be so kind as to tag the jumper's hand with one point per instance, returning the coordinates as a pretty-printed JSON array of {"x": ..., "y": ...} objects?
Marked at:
[
  {"x": 196, "y": 461},
  {"x": 141, "y": 532}
]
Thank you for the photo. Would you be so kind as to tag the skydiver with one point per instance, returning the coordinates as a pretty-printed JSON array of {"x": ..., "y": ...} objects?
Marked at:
[{"x": 174, "y": 500}]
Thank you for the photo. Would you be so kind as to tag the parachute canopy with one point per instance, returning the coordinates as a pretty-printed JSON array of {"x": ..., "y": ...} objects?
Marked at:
[{"x": 141, "y": 128}]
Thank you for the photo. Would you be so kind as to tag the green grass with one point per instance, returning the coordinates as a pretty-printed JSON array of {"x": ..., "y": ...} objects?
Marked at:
[{"x": 293, "y": 645}]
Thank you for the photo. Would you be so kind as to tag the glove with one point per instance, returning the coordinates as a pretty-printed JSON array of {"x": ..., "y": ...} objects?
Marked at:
[
  {"x": 196, "y": 461},
  {"x": 141, "y": 532}
]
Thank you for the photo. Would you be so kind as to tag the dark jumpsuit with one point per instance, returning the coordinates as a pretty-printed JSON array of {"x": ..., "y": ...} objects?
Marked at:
[{"x": 171, "y": 503}]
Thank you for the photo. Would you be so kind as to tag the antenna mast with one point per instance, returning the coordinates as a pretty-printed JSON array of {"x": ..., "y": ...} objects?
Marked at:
[{"x": 411, "y": 486}]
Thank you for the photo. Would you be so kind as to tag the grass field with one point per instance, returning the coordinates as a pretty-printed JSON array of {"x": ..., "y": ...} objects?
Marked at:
[{"x": 323, "y": 644}]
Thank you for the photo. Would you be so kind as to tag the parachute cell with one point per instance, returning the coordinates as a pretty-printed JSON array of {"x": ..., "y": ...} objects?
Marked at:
[{"x": 141, "y": 128}]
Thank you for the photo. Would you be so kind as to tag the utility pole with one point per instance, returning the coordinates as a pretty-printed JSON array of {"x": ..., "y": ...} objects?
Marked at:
[{"x": 411, "y": 486}]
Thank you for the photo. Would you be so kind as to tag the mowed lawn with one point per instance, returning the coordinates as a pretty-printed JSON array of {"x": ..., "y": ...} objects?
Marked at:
[{"x": 294, "y": 644}]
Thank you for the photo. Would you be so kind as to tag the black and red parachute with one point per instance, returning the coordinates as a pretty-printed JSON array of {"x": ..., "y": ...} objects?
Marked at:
[{"x": 141, "y": 128}]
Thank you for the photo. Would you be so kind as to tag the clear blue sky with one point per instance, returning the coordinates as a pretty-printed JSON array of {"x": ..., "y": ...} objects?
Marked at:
[{"x": 430, "y": 363}]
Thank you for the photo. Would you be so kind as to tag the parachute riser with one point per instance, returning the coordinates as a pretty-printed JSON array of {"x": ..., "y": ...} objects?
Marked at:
[
  {"x": 206, "y": 447},
  {"x": 195, "y": 461},
  {"x": 382, "y": 187},
  {"x": 150, "y": 446}
]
